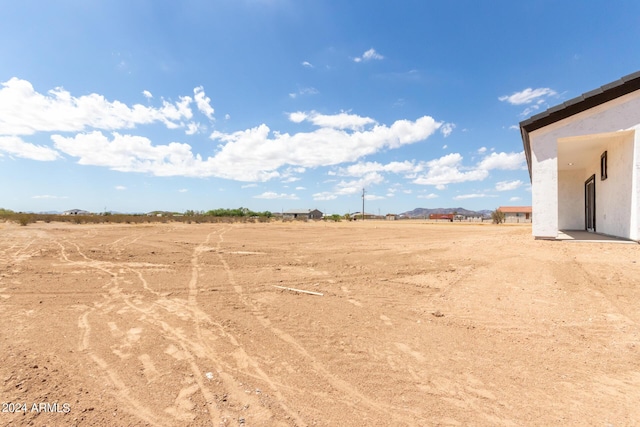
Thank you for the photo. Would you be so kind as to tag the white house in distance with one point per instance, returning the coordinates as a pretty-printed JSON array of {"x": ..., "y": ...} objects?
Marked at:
[
  {"x": 584, "y": 162},
  {"x": 302, "y": 214},
  {"x": 76, "y": 212}
]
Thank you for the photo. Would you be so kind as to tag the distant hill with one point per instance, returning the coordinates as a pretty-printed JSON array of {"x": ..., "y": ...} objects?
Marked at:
[{"x": 425, "y": 212}]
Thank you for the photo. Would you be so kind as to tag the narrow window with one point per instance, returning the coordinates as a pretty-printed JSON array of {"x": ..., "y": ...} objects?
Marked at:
[{"x": 603, "y": 166}]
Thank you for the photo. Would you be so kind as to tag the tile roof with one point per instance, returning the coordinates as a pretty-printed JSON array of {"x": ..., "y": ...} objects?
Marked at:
[{"x": 515, "y": 209}]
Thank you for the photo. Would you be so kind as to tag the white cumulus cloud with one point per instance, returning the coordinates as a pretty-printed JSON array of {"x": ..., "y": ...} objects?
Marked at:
[
  {"x": 90, "y": 129},
  {"x": 368, "y": 56},
  {"x": 473, "y": 196},
  {"x": 528, "y": 96},
  {"x": 244, "y": 153},
  {"x": 129, "y": 153},
  {"x": 203, "y": 102},
  {"x": 15, "y": 146},
  {"x": 350, "y": 188},
  {"x": 360, "y": 169},
  {"x": 23, "y": 111},
  {"x": 508, "y": 185},
  {"x": 503, "y": 161},
  {"x": 192, "y": 128},
  {"x": 341, "y": 120},
  {"x": 298, "y": 117},
  {"x": 449, "y": 170},
  {"x": 447, "y": 128}
]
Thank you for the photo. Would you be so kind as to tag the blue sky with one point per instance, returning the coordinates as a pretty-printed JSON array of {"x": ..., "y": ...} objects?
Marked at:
[{"x": 280, "y": 104}]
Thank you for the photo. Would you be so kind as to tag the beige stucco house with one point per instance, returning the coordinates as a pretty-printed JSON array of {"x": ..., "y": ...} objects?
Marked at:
[
  {"x": 518, "y": 214},
  {"x": 584, "y": 162}
]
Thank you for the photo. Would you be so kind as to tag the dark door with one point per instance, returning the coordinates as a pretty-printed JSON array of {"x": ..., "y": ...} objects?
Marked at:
[{"x": 590, "y": 204}]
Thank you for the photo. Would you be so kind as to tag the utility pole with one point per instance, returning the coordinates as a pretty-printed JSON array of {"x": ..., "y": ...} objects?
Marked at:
[{"x": 363, "y": 204}]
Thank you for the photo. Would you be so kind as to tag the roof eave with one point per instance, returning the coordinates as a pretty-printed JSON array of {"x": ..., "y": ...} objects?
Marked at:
[{"x": 586, "y": 101}]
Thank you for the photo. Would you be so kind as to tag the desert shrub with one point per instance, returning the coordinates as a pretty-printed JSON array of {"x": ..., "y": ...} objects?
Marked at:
[
  {"x": 497, "y": 216},
  {"x": 24, "y": 219},
  {"x": 6, "y": 214}
]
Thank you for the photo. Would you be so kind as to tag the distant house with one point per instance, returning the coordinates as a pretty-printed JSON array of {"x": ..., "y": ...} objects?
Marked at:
[
  {"x": 302, "y": 214},
  {"x": 367, "y": 215},
  {"x": 516, "y": 213},
  {"x": 76, "y": 212},
  {"x": 584, "y": 162},
  {"x": 391, "y": 217},
  {"x": 447, "y": 217}
]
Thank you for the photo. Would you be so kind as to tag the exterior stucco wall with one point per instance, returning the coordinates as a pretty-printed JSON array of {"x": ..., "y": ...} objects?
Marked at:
[
  {"x": 613, "y": 195},
  {"x": 515, "y": 217},
  {"x": 571, "y": 199},
  {"x": 544, "y": 187},
  {"x": 635, "y": 200},
  {"x": 619, "y": 114}
]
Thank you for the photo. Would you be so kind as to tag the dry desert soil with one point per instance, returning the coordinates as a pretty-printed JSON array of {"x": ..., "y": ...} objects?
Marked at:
[{"x": 418, "y": 325}]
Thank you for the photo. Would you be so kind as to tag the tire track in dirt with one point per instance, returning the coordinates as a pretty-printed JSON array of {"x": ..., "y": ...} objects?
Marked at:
[
  {"x": 20, "y": 255},
  {"x": 123, "y": 391},
  {"x": 571, "y": 264},
  {"x": 191, "y": 349},
  {"x": 216, "y": 416},
  {"x": 240, "y": 354},
  {"x": 338, "y": 383},
  {"x": 118, "y": 242}
]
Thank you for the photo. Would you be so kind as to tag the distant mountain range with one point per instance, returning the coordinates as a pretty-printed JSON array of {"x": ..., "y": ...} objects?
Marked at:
[{"x": 424, "y": 212}]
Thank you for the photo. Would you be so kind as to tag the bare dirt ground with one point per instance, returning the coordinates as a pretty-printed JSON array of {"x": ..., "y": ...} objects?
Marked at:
[{"x": 419, "y": 324}]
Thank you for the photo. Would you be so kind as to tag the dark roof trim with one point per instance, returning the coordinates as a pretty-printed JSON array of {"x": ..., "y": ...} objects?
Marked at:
[{"x": 588, "y": 100}]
